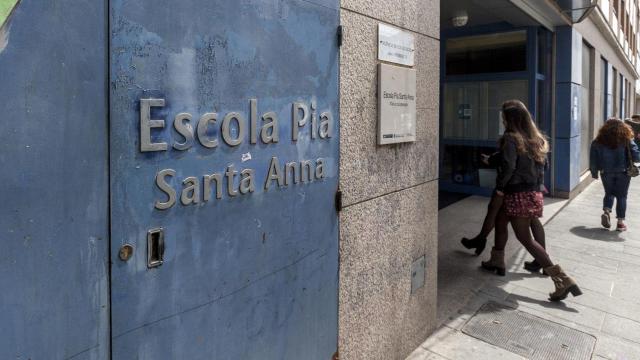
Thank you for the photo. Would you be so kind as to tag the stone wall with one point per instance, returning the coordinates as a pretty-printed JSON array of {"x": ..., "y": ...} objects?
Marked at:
[{"x": 390, "y": 192}]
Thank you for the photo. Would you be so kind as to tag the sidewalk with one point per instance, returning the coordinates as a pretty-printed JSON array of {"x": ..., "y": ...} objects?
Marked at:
[{"x": 606, "y": 264}]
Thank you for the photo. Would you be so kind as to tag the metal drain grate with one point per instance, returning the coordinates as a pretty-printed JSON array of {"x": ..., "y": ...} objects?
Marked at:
[{"x": 527, "y": 335}]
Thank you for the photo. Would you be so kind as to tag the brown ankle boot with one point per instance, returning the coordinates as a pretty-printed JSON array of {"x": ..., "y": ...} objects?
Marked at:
[
  {"x": 564, "y": 284},
  {"x": 496, "y": 263}
]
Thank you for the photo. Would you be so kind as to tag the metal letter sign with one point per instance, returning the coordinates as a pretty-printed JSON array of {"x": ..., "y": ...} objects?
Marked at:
[
  {"x": 396, "y": 104},
  {"x": 395, "y": 45},
  {"x": 224, "y": 162}
]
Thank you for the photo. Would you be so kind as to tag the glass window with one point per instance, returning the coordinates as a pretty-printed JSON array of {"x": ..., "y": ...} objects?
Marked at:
[
  {"x": 463, "y": 165},
  {"x": 472, "y": 109},
  {"x": 610, "y": 90},
  {"x": 492, "y": 53},
  {"x": 603, "y": 79},
  {"x": 622, "y": 98},
  {"x": 586, "y": 131},
  {"x": 544, "y": 51}
]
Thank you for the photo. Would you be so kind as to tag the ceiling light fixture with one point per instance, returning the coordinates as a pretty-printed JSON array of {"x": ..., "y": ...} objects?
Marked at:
[{"x": 460, "y": 19}]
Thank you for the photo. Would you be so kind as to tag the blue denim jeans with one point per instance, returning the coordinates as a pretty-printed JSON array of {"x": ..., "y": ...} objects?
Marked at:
[{"x": 616, "y": 186}]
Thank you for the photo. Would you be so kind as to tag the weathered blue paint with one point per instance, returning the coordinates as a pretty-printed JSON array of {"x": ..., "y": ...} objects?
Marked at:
[
  {"x": 54, "y": 197},
  {"x": 249, "y": 277},
  {"x": 568, "y": 108},
  {"x": 568, "y": 55},
  {"x": 567, "y": 160}
]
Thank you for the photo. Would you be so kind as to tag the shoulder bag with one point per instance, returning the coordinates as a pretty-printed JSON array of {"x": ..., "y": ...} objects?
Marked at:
[{"x": 632, "y": 169}]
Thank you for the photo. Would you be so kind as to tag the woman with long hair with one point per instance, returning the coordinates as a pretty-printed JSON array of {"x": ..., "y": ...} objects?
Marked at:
[
  {"x": 520, "y": 180},
  {"x": 612, "y": 152},
  {"x": 495, "y": 219}
]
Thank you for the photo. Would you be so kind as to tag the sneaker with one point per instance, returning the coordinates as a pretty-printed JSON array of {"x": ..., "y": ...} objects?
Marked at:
[
  {"x": 621, "y": 227},
  {"x": 605, "y": 220}
]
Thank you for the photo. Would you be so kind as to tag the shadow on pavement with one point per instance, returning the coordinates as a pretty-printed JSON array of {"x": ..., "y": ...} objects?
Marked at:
[
  {"x": 559, "y": 305},
  {"x": 601, "y": 234}
]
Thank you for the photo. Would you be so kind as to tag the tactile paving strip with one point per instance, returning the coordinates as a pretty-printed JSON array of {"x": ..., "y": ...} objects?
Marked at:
[{"x": 527, "y": 335}]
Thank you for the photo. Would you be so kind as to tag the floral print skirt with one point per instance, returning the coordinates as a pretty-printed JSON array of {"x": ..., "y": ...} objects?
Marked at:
[{"x": 528, "y": 204}]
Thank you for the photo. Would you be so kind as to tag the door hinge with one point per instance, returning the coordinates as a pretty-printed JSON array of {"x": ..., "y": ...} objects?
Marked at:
[
  {"x": 339, "y": 34},
  {"x": 338, "y": 201}
]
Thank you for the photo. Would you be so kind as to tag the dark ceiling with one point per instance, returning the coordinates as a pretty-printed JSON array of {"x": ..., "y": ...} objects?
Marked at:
[{"x": 482, "y": 12}]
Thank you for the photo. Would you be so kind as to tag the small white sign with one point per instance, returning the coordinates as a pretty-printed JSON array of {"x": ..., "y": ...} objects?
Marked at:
[
  {"x": 395, "y": 45},
  {"x": 396, "y": 104}
]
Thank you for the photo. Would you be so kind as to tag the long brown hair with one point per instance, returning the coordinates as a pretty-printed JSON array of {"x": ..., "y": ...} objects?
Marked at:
[
  {"x": 614, "y": 133},
  {"x": 520, "y": 127}
]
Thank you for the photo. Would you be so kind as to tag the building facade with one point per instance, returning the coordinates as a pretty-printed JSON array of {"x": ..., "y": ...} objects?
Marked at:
[
  {"x": 182, "y": 187},
  {"x": 603, "y": 76},
  {"x": 573, "y": 67},
  {"x": 202, "y": 180},
  {"x": 390, "y": 192}
]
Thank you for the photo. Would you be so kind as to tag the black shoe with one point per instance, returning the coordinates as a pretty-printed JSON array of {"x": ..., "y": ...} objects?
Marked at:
[
  {"x": 500, "y": 271},
  {"x": 477, "y": 243},
  {"x": 534, "y": 267}
]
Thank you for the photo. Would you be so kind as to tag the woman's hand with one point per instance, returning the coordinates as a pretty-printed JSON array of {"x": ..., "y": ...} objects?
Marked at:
[
  {"x": 499, "y": 193},
  {"x": 485, "y": 159}
]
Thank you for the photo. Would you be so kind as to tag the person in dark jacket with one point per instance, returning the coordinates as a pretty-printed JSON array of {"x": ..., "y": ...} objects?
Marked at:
[
  {"x": 634, "y": 122},
  {"x": 524, "y": 153},
  {"x": 609, "y": 157},
  {"x": 495, "y": 219},
  {"x": 479, "y": 242}
]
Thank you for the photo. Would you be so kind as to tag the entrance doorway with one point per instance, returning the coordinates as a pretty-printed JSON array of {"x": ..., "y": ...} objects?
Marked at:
[{"x": 481, "y": 69}]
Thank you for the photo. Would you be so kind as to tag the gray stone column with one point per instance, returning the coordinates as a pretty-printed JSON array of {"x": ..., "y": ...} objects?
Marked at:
[{"x": 390, "y": 192}]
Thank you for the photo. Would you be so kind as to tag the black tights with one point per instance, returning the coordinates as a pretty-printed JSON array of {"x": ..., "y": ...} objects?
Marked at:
[
  {"x": 492, "y": 215},
  {"x": 523, "y": 227},
  {"x": 498, "y": 219}
]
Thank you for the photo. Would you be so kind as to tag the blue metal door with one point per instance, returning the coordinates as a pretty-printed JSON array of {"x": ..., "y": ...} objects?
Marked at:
[
  {"x": 54, "y": 188},
  {"x": 224, "y": 165}
]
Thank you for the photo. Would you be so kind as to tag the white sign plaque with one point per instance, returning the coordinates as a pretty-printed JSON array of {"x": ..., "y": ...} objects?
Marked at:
[
  {"x": 395, "y": 45},
  {"x": 396, "y": 104}
]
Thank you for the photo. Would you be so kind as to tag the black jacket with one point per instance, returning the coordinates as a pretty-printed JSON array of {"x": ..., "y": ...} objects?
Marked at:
[{"x": 517, "y": 172}]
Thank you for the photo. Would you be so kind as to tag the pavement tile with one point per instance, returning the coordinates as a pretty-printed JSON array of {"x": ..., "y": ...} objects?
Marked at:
[
  {"x": 498, "y": 289},
  {"x": 563, "y": 322},
  {"x": 593, "y": 259},
  {"x": 545, "y": 285},
  {"x": 632, "y": 250},
  {"x": 457, "y": 320},
  {"x": 454, "y": 345},
  {"x": 629, "y": 272},
  {"x": 622, "y": 327},
  {"x": 622, "y": 308},
  {"x": 613, "y": 348},
  {"x": 606, "y": 264},
  {"x": 424, "y": 354},
  {"x": 626, "y": 290},
  {"x": 620, "y": 256},
  {"x": 592, "y": 271},
  {"x": 565, "y": 312},
  {"x": 583, "y": 238},
  {"x": 603, "y": 287}
]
